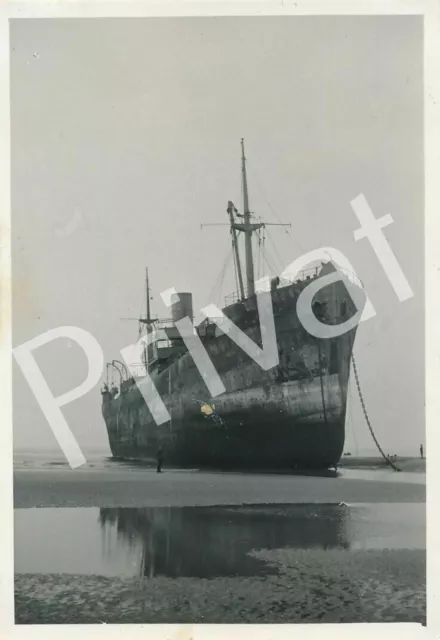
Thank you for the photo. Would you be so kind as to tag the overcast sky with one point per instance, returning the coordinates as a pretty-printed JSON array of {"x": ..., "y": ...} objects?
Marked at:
[{"x": 126, "y": 137}]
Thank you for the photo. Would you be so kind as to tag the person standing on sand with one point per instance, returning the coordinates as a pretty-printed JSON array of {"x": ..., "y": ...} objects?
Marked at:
[
  {"x": 421, "y": 451},
  {"x": 159, "y": 459}
]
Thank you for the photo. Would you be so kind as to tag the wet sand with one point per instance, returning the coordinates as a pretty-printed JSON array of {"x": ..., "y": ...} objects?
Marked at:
[
  {"x": 312, "y": 586},
  {"x": 404, "y": 463},
  {"x": 308, "y": 585},
  {"x": 142, "y": 487}
]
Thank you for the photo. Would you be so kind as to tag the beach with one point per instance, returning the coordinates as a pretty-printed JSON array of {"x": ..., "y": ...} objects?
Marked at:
[
  {"x": 314, "y": 587},
  {"x": 276, "y": 547},
  {"x": 130, "y": 485}
]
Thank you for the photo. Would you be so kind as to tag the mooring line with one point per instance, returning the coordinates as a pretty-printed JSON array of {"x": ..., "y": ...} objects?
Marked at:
[{"x": 367, "y": 419}]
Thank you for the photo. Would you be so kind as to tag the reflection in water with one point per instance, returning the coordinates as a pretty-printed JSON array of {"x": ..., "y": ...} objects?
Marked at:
[
  {"x": 202, "y": 541},
  {"x": 216, "y": 541}
]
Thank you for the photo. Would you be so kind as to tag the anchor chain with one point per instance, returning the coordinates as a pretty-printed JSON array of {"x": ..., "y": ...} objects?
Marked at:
[{"x": 367, "y": 419}]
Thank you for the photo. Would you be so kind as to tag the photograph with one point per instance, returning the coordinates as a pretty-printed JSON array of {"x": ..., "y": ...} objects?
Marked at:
[{"x": 218, "y": 319}]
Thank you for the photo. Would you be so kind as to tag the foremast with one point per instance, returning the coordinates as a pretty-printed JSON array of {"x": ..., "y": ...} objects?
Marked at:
[
  {"x": 248, "y": 228},
  {"x": 147, "y": 293},
  {"x": 148, "y": 320}
]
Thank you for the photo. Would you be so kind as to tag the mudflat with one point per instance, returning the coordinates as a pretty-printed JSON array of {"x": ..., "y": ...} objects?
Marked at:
[
  {"x": 354, "y": 554},
  {"x": 142, "y": 487}
]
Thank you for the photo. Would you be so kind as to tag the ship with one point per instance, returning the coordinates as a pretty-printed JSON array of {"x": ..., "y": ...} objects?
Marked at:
[{"x": 291, "y": 416}]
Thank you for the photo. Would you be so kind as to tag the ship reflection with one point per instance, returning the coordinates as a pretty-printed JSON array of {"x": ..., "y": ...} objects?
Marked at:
[{"x": 208, "y": 542}]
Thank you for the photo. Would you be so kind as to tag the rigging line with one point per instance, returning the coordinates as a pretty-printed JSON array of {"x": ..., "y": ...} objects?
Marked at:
[
  {"x": 287, "y": 230},
  {"x": 273, "y": 267},
  {"x": 142, "y": 304},
  {"x": 269, "y": 236},
  {"x": 256, "y": 249},
  {"x": 257, "y": 182},
  {"x": 215, "y": 285},
  {"x": 221, "y": 285},
  {"x": 223, "y": 276},
  {"x": 236, "y": 273},
  {"x": 214, "y": 288},
  {"x": 259, "y": 254},
  {"x": 261, "y": 250},
  {"x": 263, "y": 247},
  {"x": 220, "y": 277},
  {"x": 271, "y": 270}
]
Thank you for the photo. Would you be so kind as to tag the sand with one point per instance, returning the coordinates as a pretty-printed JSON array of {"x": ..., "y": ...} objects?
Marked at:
[
  {"x": 310, "y": 585},
  {"x": 145, "y": 488}
]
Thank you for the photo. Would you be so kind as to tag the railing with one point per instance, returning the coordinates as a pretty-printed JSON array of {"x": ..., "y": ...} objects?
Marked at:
[
  {"x": 137, "y": 369},
  {"x": 302, "y": 276},
  {"x": 163, "y": 323},
  {"x": 232, "y": 298},
  {"x": 305, "y": 274},
  {"x": 352, "y": 277}
]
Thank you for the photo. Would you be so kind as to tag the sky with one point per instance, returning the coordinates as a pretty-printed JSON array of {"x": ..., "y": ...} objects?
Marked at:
[{"x": 126, "y": 138}]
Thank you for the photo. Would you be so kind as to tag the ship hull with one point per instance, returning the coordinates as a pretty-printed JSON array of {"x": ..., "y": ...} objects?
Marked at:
[
  {"x": 244, "y": 434},
  {"x": 292, "y": 416}
]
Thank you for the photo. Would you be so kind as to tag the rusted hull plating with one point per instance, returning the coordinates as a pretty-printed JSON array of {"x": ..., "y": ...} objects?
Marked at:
[{"x": 291, "y": 416}]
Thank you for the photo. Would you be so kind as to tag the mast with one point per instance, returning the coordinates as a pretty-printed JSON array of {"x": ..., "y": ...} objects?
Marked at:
[
  {"x": 250, "y": 280},
  {"x": 148, "y": 316},
  {"x": 248, "y": 228},
  {"x": 147, "y": 320},
  {"x": 231, "y": 210}
]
